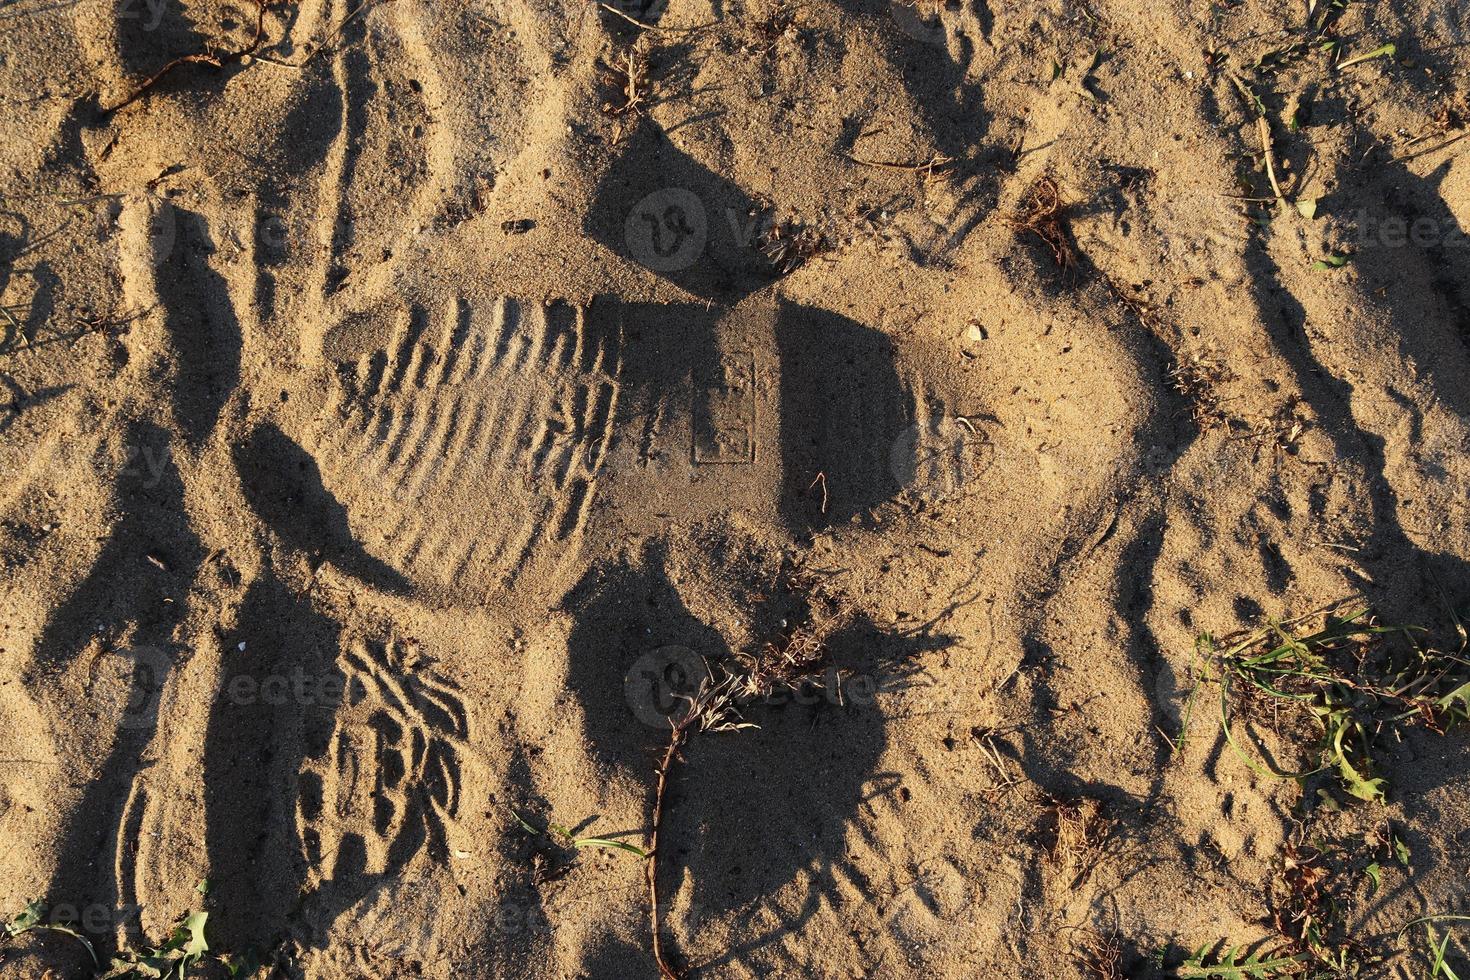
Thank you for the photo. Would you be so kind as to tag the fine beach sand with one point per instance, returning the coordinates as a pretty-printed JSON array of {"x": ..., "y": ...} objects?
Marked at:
[{"x": 402, "y": 409}]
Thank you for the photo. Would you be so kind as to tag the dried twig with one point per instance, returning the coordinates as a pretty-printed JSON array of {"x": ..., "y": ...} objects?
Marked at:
[
  {"x": 1433, "y": 149},
  {"x": 822, "y": 479},
  {"x": 712, "y": 709},
  {"x": 653, "y": 27},
  {"x": 798, "y": 659},
  {"x": 204, "y": 58},
  {"x": 14, "y": 325},
  {"x": 1078, "y": 831},
  {"x": 1269, "y": 149},
  {"x": 629, "y": 72},
  {"x": 1102, "y": 956},
  {"x": 676, "y": 739},
  {"x": 936, "y": 164},
  {"x": 789, "y": 244}
]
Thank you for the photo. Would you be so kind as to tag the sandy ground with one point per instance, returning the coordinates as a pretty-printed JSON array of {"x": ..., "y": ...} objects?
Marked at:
[{"x": 407, "y": 400}]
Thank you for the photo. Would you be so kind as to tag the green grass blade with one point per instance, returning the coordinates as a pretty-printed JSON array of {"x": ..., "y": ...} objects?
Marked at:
[{"x": 605, "y": 843}]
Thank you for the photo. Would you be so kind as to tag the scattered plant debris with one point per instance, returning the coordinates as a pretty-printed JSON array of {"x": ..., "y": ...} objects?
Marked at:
[
  {"x": 767, "y": 31},
  {"x": 1043, "y": 214},
  {"x": 1347, "y": 678},
  {"x": 1074, "y": 832},
  {"x": 627, "y": 71},
  {"x": 33, "y": 919},
  {"x": 1198, "y": 380},
  {"x": 557, "y": 831},
  {"x": 789, "y": 244},
  {"x": 214, "y": 59},
  {"x": 791, "y": 663},
  {"x": 1315, "y": 885},
  {"x": 1102, "y": 956}
]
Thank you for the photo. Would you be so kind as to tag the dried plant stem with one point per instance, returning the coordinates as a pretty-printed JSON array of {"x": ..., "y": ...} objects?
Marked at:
[
  {"x": 1269, "y": 149},
  {"x": 1042, "y": 214},
  {"x": 671, "y": 754},
  {"x": 937, "y": 164},
  {"x": 213, "y": 60},
  {"x": 653, "y": 27},
  {"x": 715, "y": 707}
]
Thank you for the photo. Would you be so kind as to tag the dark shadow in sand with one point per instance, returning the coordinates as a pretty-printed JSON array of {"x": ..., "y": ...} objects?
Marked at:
[
  {"x": 123, "y": 588},
  {"x": 151, "y": 34},
  {"x": 284, "y": 484},
  {"x": 18, "y": 400},
  {"x": 932, "y": 47},
  {"x": 254, "y": 749},
  {"x": 308, "y": 132},
  {"x": 662, "y": 209},
  {"x": 844, "y": 414},
  {"x": 747, "y": 812},
  {"x": 846, "y": 418},
  {"x": 754, "y": 811},
  {"x": 1404, "y": 571},
  {"x": 200, "y": 319}
]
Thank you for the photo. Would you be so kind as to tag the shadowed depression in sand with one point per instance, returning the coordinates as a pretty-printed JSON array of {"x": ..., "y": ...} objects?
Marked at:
[{"x": 415, "y": 412}]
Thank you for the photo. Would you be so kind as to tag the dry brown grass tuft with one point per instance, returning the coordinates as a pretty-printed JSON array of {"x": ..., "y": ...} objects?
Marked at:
[
  {"x": 1198, "y": 380},
  {"x": 795, "y": 659},
  {"x": 1300, "y": 889},
  {"x": 1102, "y": 956},
  {"x": 1074, "y": 832},
  {"x": 789, "y": 244},
  {"x": 628, "y": 77},
  {"x": 1043, "y": 214}
]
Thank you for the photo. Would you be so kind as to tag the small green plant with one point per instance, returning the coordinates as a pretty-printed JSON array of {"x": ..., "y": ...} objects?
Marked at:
[
  {"x": 1437, "y": 964},
  {"x": 1347, "y": 678},
  {"x": 243, "y": 965},
  {"x": 1437, "y": 949},
  {"x": 33, "y": 919},
  {"x": 557, "y": 831},
  {"x": 1260, "y": 965},
  {"x": 1386, "y": 51},
  {"x": 185, "y": 947}
]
